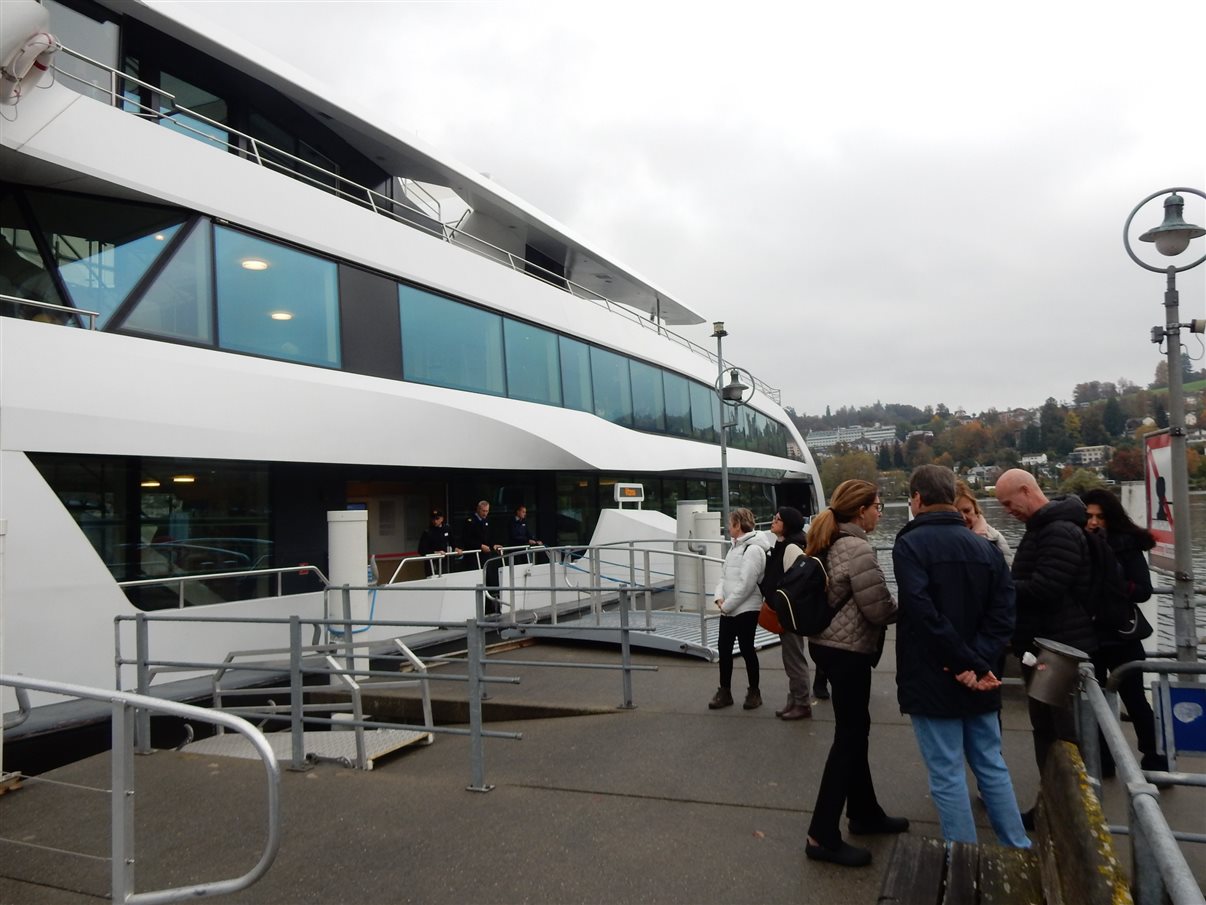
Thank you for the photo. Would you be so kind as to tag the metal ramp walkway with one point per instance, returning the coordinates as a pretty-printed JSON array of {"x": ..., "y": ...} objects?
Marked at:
[
  {"x": 338, "y": 746},
  {"x": 672, "y": 631}
]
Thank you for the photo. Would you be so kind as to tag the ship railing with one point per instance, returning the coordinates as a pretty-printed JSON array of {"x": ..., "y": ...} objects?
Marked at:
[
  {"x": 182, "y": 581},
  {"x": 1160, "y": 872},
  {"x": 51, "y": 306},
  {"x": 125, "y": 709},
  {"x": 265, "y": 154}
]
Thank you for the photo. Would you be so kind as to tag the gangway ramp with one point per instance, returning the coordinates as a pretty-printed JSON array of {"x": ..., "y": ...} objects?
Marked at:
[{"x": 666, "y": 630}]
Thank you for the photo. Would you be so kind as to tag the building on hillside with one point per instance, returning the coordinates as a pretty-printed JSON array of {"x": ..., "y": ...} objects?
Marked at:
[
  {"x": 869, "y": 439},
  {"x": 1091, "y": 456},
  {"x": 1034, "y": 459}
]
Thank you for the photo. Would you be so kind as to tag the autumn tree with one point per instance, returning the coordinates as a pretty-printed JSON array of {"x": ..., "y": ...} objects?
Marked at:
[
  {"x": 1080, "y": 480},
  {"x": 1112, "y": 418},
  {"x": 848, "y": 466},
  {"x": 1127, "y": 465}
]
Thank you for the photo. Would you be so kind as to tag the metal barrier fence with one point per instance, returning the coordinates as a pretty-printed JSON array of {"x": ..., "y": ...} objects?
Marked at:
[
  {"x": 346, "y": 647},
  {"x": 125, "y": 706},
  {"x": 1160, "y": 872}
]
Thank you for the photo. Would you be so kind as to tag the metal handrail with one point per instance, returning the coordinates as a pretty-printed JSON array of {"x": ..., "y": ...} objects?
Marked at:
[
  {"x": 181, "y": 580},
  {"x": 1159, "y": 864},
  {"x": 382, "y": 204},
  {"x": 66, "y": 309},
  {"x": 122, "y": 793}
]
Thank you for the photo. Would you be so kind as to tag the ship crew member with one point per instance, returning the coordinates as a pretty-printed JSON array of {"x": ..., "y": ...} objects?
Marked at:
[
  {"x": 475, "y": 538},
  {"x": 436, "y": 539}
]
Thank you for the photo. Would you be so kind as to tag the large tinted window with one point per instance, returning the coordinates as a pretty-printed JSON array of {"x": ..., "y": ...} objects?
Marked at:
[
  {"x": 648, "y": 401},
  {"x": 450, "y": 344},
  {"x": 276, "y": 301},
  {"x": 102, "y": 248},
  {"x": 678, "y": 404},
  {"x": 613, "y": 391},
  {"x": 575, "y": 375},
  {"x": 22, "y": 273},
  {"x": 533, "y": 365},
  {"x": 179, "y": 303},
  {"x": 703, "y": 412}
]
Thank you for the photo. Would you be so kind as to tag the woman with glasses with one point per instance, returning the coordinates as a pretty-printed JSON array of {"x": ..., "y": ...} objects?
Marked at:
[{"x": 848, "y": 650}]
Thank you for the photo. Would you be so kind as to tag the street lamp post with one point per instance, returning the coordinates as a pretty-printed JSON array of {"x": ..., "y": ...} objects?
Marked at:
[
  {"x": 732, "y": 396},
  {"x": 1171, "y": 238}
]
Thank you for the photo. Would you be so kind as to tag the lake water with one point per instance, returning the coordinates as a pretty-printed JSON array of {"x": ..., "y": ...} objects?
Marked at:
[{"x": 896, "y": 514}]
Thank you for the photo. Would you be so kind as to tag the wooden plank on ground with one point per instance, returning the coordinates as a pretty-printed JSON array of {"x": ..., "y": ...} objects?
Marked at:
[
  {"x": 1009, "y": 876},
  {"x": 962, "y": 874},
  {"x": 915, "y": 872}
]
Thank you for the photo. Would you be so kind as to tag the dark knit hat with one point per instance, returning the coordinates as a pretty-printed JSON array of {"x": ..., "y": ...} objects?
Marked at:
[{"x": 792, "y": 519}]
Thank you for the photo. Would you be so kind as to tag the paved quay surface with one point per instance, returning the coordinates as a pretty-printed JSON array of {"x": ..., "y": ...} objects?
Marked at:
[{"x": 667, "y": 803}]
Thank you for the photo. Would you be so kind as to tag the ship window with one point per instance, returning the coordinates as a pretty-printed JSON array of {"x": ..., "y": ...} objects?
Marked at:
[
  {"x": 648, "y": 400},
  {"x": 93, "y": 36},
  {"x": 179, "y": 303},
  {"x": 276, "y": 301},
  {"x": 22, "y": 273},
  {"x": 533, "y": 366},
  {"x": 613, "y": 390},
  {"x": 678, "y": 404},
  {"x": 449, "y": 344},
  {"x": 575, "y": 375},
  {"x": 704, "y": 416},
  {"x": 199, "y": 101},
  {"x": 102, "y": 248}
]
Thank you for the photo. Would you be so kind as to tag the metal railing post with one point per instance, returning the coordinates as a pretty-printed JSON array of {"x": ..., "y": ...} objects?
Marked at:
[
  {"x": 479, "y": 611},
  {"x": 121, "y": 804},
  {"x": 553, "y": 583},
  {"x": 142, "y": 718},
  {"x": 703, "y": 596},
  {"x": 474, "y": 653},
  {"x": 596, "y": 582},
  {"x": 625, "y": 651},
  {"x": 349, "y": 656},
  {"x": 648, "y": 593},
  {"x": 1090, "y": 736},
  {"x": 511, "y": 582},
  {"x": 296, "y": 699},
  {"x": 1147, "y": 886}
]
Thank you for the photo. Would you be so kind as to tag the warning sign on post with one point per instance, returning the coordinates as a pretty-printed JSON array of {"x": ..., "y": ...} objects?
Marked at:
[{"x": 1160, "y": 514}]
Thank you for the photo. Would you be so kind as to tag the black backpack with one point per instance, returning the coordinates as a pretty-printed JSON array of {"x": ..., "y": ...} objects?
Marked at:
[
  {"x": 801, "y": 601},
  {"x": 1105, "y": 599}
]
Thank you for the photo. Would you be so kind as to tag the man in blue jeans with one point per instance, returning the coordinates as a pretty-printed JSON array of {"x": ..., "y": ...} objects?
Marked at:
[{"x": 956, "y": 618}]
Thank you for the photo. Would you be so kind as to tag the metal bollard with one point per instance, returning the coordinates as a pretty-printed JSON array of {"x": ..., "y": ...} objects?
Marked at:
[{"x": 625, "y": 651}]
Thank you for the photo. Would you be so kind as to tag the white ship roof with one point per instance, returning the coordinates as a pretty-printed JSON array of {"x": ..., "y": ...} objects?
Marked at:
[{"x": 405, "y": 155}]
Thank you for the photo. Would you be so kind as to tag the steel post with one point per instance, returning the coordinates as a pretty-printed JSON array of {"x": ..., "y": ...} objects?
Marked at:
[
  {"x": 296, "y": 700},
  {"x": 349, "y": 657},
  {"x": 121, "y": 802},
  {"x": 625, "y": 651},
  {"x": 476, "y": 655},
  {"x": 142, "y": 718}
]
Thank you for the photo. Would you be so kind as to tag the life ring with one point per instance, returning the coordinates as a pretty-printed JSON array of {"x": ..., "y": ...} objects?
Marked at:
[{"x": 25, "y": 67}]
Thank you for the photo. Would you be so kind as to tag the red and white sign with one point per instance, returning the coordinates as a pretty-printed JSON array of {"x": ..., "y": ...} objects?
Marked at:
[{"x": 1157, "y": 468}]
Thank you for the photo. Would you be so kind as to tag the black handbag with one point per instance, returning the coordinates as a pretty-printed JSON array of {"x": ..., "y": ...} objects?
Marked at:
[{"x": 1137, "y": 629}]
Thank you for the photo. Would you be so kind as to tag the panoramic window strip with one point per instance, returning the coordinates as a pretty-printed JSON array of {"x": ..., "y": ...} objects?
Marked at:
[{"x": 223, "y": 287}]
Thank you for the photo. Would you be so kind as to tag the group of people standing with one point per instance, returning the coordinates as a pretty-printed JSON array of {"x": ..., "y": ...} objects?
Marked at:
[{"x": 960, "y": 607}]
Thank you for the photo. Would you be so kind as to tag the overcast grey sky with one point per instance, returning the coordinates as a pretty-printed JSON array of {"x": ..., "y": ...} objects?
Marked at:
[{"x": 906, "y": 202}]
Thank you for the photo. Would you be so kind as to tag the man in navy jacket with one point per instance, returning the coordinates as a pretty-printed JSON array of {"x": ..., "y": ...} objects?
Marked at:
[{"x": 956, "y": 618}]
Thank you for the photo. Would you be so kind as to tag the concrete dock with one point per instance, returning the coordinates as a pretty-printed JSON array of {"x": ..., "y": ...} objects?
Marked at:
[{"x": 666, "y": 803}]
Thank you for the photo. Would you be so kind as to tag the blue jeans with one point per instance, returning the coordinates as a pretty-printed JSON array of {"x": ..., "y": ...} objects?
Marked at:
[{"x": 944, "y": 742}]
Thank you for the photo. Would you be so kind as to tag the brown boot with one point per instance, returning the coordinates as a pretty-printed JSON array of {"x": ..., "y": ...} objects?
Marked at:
[
  {"x": 797, "y": 712},
  {"x": 722, "y": 698},
  {"x": 753, "y": 699}
]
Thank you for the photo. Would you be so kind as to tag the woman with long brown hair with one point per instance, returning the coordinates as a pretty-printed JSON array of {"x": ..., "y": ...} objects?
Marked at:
[{"x": 848, "y": 650}]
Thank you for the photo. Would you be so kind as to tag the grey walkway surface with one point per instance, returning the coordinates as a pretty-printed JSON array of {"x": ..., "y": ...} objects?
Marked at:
[{"x": 667, "y": 803}]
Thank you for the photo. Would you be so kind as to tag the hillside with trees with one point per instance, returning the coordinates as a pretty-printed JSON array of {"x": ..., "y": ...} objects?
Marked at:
[{"x": 1112, "y": 414}]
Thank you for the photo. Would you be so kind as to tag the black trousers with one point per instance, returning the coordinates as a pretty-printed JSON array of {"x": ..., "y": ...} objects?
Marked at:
[
  {"x": 846, "y": 782},
  {"x": 1108, "y": 658},
  {"x": 741, "y": 628}
]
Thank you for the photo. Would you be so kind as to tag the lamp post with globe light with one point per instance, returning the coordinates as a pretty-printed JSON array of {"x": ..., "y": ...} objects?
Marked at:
[
  {"x": 1171, "y": 238},
  {"x": 732, "y": 396}
]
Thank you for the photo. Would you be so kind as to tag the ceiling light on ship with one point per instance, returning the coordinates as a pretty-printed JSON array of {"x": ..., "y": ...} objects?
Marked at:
[
  {"x": 183, "y": 479},
  {"x": 159, "y": 237},
  {"x": 281, "y": 315},
  {"x": 149, "y": 482},
  {"x": 1173, "y": 235},
  {"x": 253, "y": 264}
]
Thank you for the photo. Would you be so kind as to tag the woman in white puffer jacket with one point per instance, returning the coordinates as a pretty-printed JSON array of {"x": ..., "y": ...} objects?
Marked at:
[{"x": 739, "y": 600}]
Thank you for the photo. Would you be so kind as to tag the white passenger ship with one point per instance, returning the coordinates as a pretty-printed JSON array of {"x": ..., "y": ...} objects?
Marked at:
[{"x": 296, "y": 310}]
